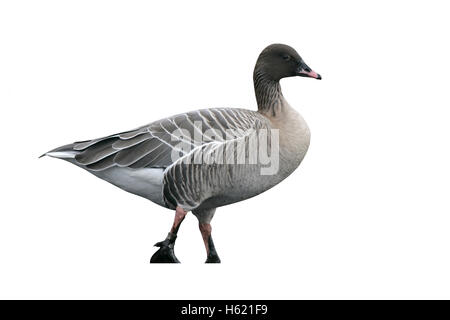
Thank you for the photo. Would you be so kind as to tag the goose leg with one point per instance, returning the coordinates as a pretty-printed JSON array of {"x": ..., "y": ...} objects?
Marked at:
[
  {"x": 165, "y": 253},
  {"x": 212, "y": 256},
  {"x": 204, "y": 223}
]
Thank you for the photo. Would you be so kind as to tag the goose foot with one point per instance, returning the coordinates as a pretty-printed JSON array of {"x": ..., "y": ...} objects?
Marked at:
[
  {"x": 212, "y": 259},
  {"x": 165, "y": 253}
]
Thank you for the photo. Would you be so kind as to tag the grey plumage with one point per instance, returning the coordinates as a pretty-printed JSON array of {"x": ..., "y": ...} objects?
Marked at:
[{"x": 151, "y": 146}]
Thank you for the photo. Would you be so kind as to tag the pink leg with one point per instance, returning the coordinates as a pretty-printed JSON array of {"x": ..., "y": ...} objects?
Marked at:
[
  {"x": 180, "y": 214},
  {"x": 205, "y": 230}
]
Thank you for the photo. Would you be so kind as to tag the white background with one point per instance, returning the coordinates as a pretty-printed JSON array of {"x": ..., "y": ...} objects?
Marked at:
[{"x": 365, "y": 216}]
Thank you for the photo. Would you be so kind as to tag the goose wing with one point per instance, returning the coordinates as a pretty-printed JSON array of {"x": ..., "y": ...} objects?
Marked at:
[{"x": 161, "y": 143}]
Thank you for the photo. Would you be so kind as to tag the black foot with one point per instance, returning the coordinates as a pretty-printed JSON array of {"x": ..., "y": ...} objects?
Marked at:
[
  {"x": 213, "y": 259},
  {"x": 165, "y": 253}
]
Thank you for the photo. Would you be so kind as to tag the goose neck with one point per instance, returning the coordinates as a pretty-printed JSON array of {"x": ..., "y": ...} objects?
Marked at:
[{"x": 268, "y": 94}]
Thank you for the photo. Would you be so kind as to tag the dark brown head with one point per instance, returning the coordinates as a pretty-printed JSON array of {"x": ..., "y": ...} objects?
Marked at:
[{"x": 279, "y": 61}]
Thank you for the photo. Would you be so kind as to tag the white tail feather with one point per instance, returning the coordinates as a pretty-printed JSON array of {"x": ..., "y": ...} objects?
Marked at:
[{"x": 62, "y": 154}]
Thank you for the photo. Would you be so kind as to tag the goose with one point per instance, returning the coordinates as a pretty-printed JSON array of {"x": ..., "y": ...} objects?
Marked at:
[{"x": 204, "y": 159}]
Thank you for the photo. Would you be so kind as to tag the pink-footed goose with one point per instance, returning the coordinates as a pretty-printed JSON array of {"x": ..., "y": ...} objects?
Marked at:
[{"x": 204, "y": 159}]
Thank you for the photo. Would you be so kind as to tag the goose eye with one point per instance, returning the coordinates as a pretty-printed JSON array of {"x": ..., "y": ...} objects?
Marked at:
[{"x": 286, "y": 57}]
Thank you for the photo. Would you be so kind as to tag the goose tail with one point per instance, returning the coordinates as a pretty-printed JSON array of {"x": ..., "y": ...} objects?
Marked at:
[{"x": 65, "y": 152}]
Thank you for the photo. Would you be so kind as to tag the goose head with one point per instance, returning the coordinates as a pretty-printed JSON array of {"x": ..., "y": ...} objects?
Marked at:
[{"x": 279, "y": 61}]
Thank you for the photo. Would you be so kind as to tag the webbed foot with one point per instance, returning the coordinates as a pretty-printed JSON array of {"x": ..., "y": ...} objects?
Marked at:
[{"x": 165, "y": 253}]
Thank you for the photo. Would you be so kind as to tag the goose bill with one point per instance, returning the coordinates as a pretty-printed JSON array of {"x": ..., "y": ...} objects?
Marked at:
[{"x": 310, "y": 74}]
